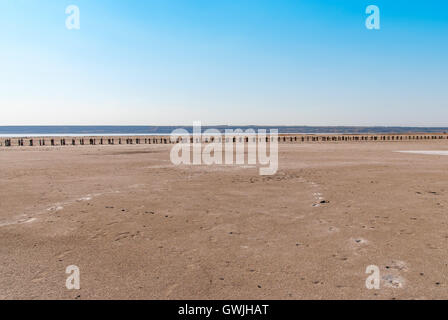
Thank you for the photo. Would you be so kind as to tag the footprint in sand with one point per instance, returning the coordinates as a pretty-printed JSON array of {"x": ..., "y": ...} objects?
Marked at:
[
  {"x": 319, "y": 199},
  {"x": 333, "y": 229},
  {"x": 358, "y": 242},
  {"x": 57, "y": 207},
  {"x": 358, "y": 245},
  {"x": 125, "y": 235},
  {"x": 63, "y": 254},
  {"x": 392, "y": 278},
  {"x": 393, "y": 281},
  {"x": 397, "y": 265},
  {"x": 122, "y": 235},
  {"x": 99, "y": 235}
]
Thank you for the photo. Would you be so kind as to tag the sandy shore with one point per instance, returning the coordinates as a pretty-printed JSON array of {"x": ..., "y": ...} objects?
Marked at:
[{"x": 139, "y": 227}]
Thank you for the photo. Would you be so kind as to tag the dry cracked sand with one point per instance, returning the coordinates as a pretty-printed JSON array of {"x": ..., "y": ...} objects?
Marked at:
[{"x": 139, "y": 227}]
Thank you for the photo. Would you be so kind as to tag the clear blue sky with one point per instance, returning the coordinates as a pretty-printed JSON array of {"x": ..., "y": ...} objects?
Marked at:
[{"x": 279, "y": 62}]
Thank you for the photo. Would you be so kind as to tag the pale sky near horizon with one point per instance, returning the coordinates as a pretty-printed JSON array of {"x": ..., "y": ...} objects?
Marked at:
[{"x": 172, "y": 62}]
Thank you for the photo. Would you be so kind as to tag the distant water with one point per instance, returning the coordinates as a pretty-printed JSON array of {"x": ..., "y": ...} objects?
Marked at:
[
  {"x": 29, "y": 131},
  {"x": 430, "y": 152}
]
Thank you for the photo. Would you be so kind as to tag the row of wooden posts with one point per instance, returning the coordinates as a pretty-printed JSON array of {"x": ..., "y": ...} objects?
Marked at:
[
  {"x": 167, "y": 140},
  {"x": 81, "y": 141}
]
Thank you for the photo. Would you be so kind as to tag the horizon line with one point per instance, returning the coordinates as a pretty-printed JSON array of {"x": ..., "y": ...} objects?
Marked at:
[{"x": 227, "y": 125}]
